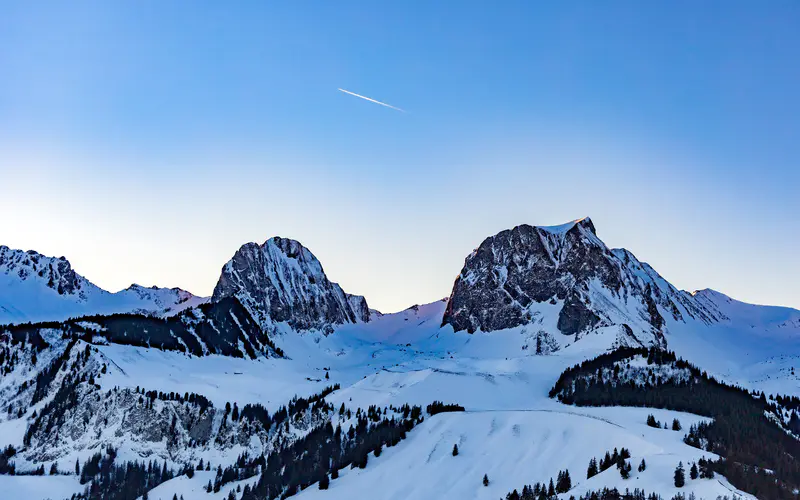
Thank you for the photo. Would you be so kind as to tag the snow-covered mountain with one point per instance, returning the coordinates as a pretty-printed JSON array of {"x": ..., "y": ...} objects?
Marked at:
[
  {"x": 566, "y": 280},
  {"x": 282, "y": 281},
  {"x": 34, "y": 288},
  {"x": 223, "y": 380}
]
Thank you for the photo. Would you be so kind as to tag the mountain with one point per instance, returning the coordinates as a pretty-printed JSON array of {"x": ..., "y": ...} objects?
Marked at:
[
  {"x": 282, "y": 281},
  {"x": 567, "y": 280},
  {"x": 34, "y": 287},
  {"x": 533, "y": 308}
]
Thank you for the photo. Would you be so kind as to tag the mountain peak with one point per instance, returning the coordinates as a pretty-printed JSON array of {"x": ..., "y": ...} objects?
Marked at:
[
  {"x": 282, "y": 281},
  {"x": 564, "y": 278},
  {"x": 585, "y": 223}
]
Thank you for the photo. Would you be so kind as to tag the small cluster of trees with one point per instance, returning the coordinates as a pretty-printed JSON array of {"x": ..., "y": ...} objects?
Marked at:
[
  {"x": 109, "y": 480},
  {"x": 542, "y": 491},
  {"x": 701, "y": 469},
  {"x": 439, "y": 407},
  {"x": 652, "y": 422},
  {"x": 618, "y": 458},
  {"x": 243, "y": 468}
]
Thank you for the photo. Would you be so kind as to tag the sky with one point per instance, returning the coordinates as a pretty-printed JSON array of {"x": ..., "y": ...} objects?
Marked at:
[{"x": 146, "y": 141}]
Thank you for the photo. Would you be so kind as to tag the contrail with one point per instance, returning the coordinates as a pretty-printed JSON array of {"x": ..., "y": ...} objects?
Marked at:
[{"x": 372, "y": 100}]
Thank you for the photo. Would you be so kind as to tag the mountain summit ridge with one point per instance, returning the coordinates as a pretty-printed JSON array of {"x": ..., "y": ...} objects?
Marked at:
[
  {"x": 520, "y": 274},
  {"x": 282, "y": 281}
]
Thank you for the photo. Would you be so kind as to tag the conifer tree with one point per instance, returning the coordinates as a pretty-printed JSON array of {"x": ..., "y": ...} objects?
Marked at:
[
  {"x": 485, "y": 480},
  {"x": 642, "y": 466},
  {"x": 564, "y": 483},
  {"x": 455, "y": 450},
  {"x": 693, "y": 471},
  {"x": 592, "y": 470},
  {"x": 676, "y": 425},
  {"x": 680, "y": 478}
]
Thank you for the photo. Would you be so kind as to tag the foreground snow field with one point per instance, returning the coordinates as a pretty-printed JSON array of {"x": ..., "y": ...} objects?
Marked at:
[
  {"x": 514, "y": 448},
  {"x": 36, "y": 487}
]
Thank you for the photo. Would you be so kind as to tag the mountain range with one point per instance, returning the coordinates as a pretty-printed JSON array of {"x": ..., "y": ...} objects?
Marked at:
[{"x": 528, "y": 303}]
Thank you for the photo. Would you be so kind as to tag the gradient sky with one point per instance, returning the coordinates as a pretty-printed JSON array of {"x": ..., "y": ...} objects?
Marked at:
[{"x": 147, "y": 140}]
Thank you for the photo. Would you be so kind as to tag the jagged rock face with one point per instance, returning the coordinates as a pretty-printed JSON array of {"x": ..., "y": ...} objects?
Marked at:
[
  {"x": 282, "y": 281},
  {"x": 56, "y": 273},
  {"x": 512, "y": 276},
  {"x": 78, "y": 413},
  {"x": 359, "y": 306}
]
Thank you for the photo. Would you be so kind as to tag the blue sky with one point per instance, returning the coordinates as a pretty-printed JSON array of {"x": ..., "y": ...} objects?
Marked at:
[{"x": 146, "y": 141}]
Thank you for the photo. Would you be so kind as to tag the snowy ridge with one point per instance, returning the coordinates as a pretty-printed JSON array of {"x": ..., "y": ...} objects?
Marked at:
[
  {"x": 37, "y": 288},
  {"x": 282, "y": 281}
]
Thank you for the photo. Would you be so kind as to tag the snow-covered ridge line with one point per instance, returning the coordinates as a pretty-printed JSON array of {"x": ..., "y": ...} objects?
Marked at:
[{"x": 36, "y": 288}]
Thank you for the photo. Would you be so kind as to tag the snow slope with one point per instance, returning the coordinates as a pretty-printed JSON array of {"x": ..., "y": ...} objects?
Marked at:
[
  {"x": 514, "y": 448},
  {"x": 39, "y": 487}
]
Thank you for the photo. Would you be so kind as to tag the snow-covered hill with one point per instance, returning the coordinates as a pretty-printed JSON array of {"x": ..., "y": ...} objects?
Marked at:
[{"x": 36, "y": 288}]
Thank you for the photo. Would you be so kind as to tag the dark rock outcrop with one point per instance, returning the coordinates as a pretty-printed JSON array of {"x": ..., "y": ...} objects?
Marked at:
[{"x": 282, "y": 281}]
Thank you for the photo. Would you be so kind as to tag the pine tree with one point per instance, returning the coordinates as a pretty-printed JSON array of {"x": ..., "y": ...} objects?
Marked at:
[
  {"x": 676, "y": 425},
  {"x": 642, "y": 466},
  {"x": 693, "y": 471},
  {"x": 455, "y": 450},
  {"x": 564, "y": 483},
  {"x": 592, "y": 470},
  {"x": 335, "y": 473},
  {"x": 54, "y": 469},
  {"x": 324, "y": 482},
  {"x": 680, "y": 478},
  {"x": 624, "y": 469},
  {"x": 706, "y": 472},
  {"x": 485, "y": 480},
  {"x": 77, "y": 468},
  {"x": 551, "y": 490}
]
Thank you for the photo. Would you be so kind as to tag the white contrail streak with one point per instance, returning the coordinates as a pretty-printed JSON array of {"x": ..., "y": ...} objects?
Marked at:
[{"x": 372, "y": 100}]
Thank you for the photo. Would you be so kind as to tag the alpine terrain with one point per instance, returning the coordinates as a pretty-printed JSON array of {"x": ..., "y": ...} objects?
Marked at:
[{"x": 556, "y": 368}]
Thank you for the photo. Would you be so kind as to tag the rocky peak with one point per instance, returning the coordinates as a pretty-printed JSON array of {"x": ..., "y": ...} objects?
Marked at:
[
  {"x": 55, "y": 273},
  {"x": 522, "y": 275},
  {"x": 282, "y": 281}
]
